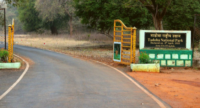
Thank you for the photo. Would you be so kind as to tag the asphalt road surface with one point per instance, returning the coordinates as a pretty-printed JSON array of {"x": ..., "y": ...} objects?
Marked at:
[{"x": 60, "y": 81}]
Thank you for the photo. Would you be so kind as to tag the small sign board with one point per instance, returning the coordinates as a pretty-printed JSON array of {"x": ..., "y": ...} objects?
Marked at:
[
  {"x": 165, "y": 40},
  {"x": 117, "y": 51}
]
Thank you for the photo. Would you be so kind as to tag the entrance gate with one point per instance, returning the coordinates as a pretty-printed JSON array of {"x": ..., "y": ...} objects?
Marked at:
[{"x": 124, "y": 40}]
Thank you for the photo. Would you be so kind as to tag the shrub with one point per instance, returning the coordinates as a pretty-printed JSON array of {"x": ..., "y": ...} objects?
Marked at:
[
  {"x": 3, "y": 55},
  {"x": 144, "y": 58}
]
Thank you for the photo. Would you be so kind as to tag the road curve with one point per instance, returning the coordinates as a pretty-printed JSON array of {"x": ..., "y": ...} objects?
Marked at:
[{"x": 60, "y": 81}]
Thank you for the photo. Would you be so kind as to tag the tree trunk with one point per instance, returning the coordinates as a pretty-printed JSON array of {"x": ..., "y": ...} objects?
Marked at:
[
  {"x": 157, "y": 22},
  {"x": 54, "y": 30},
  {"x": 71, "y": 26}
]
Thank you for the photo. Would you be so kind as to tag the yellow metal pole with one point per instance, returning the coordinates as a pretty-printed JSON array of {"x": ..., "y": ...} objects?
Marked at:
[
  {"x": 131, "y": 49},
  {"x": 12, "y": 43},
  {"x": 121, "y": 41},
  {"x": 9, "y": 43},
  {"x": 114, "y": 30},
  {"x": 134, "y": 44}
]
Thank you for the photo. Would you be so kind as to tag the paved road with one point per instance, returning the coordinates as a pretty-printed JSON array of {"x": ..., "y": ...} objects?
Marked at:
[{"x": 60, "y": 81}]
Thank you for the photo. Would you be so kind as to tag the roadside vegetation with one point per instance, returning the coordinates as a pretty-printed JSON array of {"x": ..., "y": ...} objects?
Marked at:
[
  {"x": 72, "y": 16},
  {"x": 3, "y": 55}
]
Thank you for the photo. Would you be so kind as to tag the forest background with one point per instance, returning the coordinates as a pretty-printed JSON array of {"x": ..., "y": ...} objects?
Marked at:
[{"x": 77, "y": 16}]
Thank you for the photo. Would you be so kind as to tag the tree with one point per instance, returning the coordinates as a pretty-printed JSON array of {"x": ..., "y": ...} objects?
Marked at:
[
  {"x": 3, "y": 4},
  {"x": 29, "y": 16},
  {"x": 12, "y": 13},
  {"x": 180, "y": 15},
  {"x": 158, "y": 9},
  {"x": 101, "y": 14},
  {"x": 32, "y": 22},
  {"x": 52, "y": 9},
  {"x": 69, "y": 10},
  {"x": 14, "y": 2}
]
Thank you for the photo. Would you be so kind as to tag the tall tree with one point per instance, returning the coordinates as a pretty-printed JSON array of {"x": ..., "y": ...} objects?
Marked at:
[
  {"x": 32, "y": 22},
  {"x": 180, "y": 14},
  {"x": 100, "y": 14},
  {"x": 52, "y": 9},
  {"x": 158, "y": 9},
  {"x": 29, "y": 16},
  {"x": 69, "y": 10}
]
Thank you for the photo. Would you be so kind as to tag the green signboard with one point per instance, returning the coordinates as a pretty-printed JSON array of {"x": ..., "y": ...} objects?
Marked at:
[{"x": 117, "y": 51}]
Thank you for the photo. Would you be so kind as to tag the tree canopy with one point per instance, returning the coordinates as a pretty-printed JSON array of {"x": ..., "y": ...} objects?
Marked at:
[
  {"x": 158, "y": 9},
  {"x": 50, "y": 10},
  {"x": 12, "y": 13},
  {"x": 180, "y": 15},
  {"x": 14, "y": 2},
  {"x": 29, "y": 16},
  {"x": 101, "y": 14}
]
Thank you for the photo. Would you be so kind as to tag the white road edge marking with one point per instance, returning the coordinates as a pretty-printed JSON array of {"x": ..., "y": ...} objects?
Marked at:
[
  {"x": 139, "y": 86},
  {"x": 18, "y": 80}
]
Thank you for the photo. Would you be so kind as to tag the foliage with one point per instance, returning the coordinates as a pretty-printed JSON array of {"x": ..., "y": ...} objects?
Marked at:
[
  {"x": 3, "y": 55},
  {"x": 172, "y": 14},
  {"x": 157, "y": 8},
  {"x": 144, "y": 58},
  {"x": 4, "y": 3},
  {"x": 14, "y": 2},
  {"x": 49, "y": 9},
  {"x": 29, "y": 16},
  {"x": 57, "y": 11},
  {"x": 180, "y": 15},
  {"x": 12, "y": 13},
  {"x": 101, "y": 14},
  {"x": 32, "y": 22}
]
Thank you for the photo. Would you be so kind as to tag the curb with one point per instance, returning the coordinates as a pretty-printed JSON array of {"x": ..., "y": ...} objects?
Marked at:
[
  {"x": 15, "y": 65},
  {"x": 145, "y": 67}
]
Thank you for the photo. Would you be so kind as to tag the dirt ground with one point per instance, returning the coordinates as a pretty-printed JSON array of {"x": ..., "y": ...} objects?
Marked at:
[{"x": 178, "y": 87}]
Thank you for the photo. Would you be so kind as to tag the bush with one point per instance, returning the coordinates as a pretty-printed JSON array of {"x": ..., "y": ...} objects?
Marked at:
[
  {"x": 144, "y": 58},
  {"x": 3, "y": 55}
]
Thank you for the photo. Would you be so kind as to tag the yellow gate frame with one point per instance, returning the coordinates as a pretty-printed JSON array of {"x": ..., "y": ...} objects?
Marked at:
[
  {"x": 11, "y": 40},
  {"x": 130, "y": 46}
]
